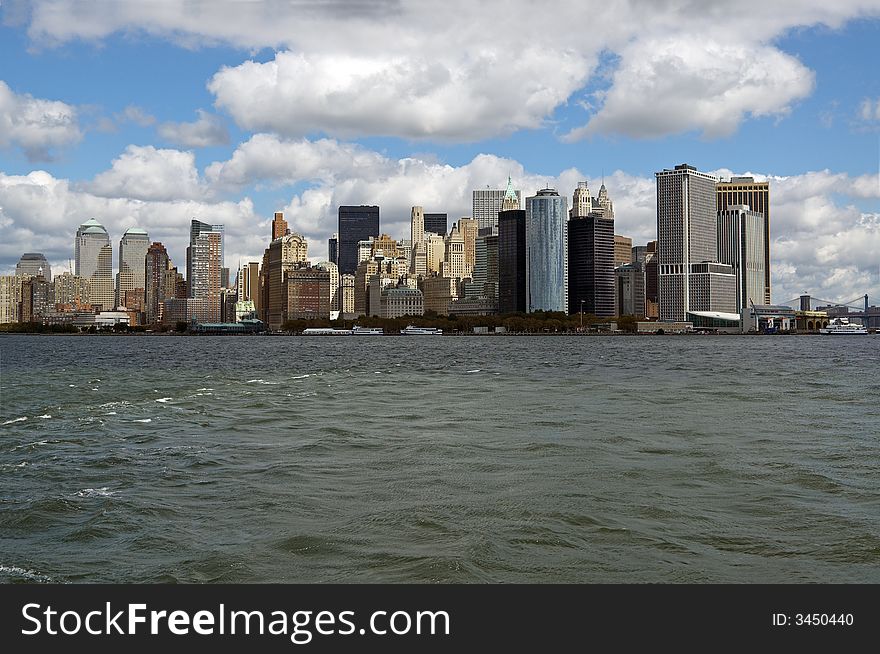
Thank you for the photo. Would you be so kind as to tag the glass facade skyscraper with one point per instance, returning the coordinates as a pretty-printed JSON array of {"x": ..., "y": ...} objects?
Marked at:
[
  {"x": 355, "y": 224},
  {"x": 547, "y": 251}
]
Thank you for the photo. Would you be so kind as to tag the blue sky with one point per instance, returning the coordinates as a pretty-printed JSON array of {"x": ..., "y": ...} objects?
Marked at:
[{"x": 334, "y": 102}]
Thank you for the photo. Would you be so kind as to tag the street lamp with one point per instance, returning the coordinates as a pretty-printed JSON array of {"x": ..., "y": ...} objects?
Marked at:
[{"x": 582, "y": 315}]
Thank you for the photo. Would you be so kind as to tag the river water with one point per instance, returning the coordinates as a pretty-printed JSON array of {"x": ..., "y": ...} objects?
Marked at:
[{"x": 439, "y": 459}]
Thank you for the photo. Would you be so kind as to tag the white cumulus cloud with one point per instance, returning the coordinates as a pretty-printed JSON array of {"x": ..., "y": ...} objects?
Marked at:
[
  {"x": 204, "y": 132},
  {"x": 148, "y": 173},
  {"x": 35, "y": 125}
]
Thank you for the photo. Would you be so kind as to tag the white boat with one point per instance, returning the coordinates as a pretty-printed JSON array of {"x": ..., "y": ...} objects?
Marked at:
[
  {"x": 412, "y": 330},
  {"x": 366, "y": 331},
  {"x": 843, "y": 326}
]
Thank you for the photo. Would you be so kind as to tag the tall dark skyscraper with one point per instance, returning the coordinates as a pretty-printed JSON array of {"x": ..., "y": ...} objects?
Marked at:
[
  {"x": 436, "y": 223},
  {"x": 333, "y": 249},
  {"x": 512, "y": 261},
  {"x": 355, "y": 224},
  {"x": 591, "y": 265}
]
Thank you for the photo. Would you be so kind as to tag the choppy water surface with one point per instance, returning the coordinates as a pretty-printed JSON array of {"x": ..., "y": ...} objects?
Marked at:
[{"x": 439, "y": 459}]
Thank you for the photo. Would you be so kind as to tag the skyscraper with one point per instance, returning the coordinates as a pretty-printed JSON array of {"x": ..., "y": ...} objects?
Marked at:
[
  {"x": 591, "y": 265},
  {"x": 581, "y": 201},
  {"x": 686, "y": 234},
  {"x": 282, "y": 256},
  {"x": 468, "y": 229},
  {"x": 101, "y": 285},
  {"x": 487, "y": 203},
  {"x": 279, "y": 226},
  {"x": 333, "y": 249},
  {"x": 741, "y": 245},
  {"x": 622, "y": 249},
  {"x": 156, "y": 291},
  {"x": 417, "y": 226},
  {"x": 90, "y": 238},
  {"x": 355, "y": 224},
  {"x": 547, "y": 251},
  {"x": 512, "y": 261},
  {"x": 436, "y": 223},
  {"x": 32, "y": 264},
  {"x": 204, "y": 266},
  {"x": 133, "y": 248},
  {"x": 756, "y": 195}
]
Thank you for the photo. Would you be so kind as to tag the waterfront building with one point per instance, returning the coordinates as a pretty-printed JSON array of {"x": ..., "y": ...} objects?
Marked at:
[
  {"x": 439, "y": 293},
  {"x": 91, "y": 237},
  {"x": 399, "y": 301},
  {"x": 346, "y": 295},
  {"x": 741, "y": 245},
  {"x": 186, "y": 309},
  {"x": 333, "y": 270},
  {"x": 245, "y": 310},
  {"x": 712, "y": 287},
  {"x": 158, "y": 284},
  {"x": 72, "y": 291},
  {"x": 591, "y": 246},
  {"x": 32, "y": 264},
  {"x": 512, "y": 261},
  {"x": 686, "y": 234},
  {"x": 630, "y": 289},
  {"x": 279, "y": 226},
  {"x": 10, "y": 298},
  {"x": 546, "y": 251},
  {"x": 133, "y": 248},
  {"x": 487, "y": 203},
  {"x": 37, "y": 298},
  {"x": 622, "y": 250},
  {"x": 473, "y": 306},
  {"x": 283, "y": 255},
  {"x": 756, "y": 195},
  {"x": 436, "y": 223},
  {"x": 204, "y": 264},
  {"x": 102, "y": 291},
  {"x": 308, "y": 293},
  {"x": 652, "y": 304},
  {"x": 356, "y": 223}
]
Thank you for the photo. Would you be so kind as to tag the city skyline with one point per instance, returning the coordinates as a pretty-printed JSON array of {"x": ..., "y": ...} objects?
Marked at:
[{"x": 141, "y": 119}]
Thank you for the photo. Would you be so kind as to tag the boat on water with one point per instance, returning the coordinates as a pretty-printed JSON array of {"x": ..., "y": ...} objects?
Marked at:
[
  {"x": 412, "y": 330},
  {"x": 843, "y": 326},
  {"x": 357, "y": 330}
]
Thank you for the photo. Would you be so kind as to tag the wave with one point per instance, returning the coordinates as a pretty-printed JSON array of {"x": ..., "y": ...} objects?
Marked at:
[
  {"x": 104, "y": 491},
  {"x": 143, "y": 420},
  {"x": 16, "y": 571},
  {"x": 164, "y": 399},
  {"x": 9, "y": 422}
]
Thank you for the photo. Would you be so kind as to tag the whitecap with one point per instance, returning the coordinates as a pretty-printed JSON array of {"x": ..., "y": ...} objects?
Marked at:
[
  {"x": 144, "y": 420},
  {"x": 300, "y": 376},
  {"x": 9, "y": 422},
  {"x": 204, "y": 389},
  {"x": 475, "y": 370},
  {"x": 111, "y": 413},
  {"x": 254, "y": 381},
  {"x": 95, "y": 492},
  {"x": 72, "y": 385},
  {"x": 14, "y": 570},
  {"x": 45, "y": 416},
  {"x": 164, "y": 399}
]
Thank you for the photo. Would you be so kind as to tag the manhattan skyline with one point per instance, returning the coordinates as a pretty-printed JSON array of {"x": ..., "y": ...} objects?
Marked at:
[{"x": 151, "y": 116}]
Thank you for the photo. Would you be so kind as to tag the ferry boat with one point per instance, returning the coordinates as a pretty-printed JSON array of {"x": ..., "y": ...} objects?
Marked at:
[
  {"x": 843, "y": 326},
  {"x": 412, "y": 330},
  {"x": 357, "y": 330}
]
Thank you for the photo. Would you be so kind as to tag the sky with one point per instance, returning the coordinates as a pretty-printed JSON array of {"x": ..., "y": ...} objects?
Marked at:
[{"x": 150, "y": 114}]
